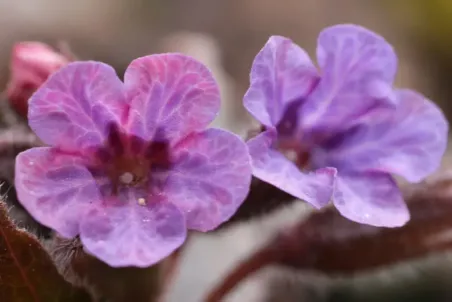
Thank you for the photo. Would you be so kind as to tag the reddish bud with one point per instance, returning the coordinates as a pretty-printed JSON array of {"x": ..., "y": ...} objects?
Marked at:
[{"x": 31, "y": 64}]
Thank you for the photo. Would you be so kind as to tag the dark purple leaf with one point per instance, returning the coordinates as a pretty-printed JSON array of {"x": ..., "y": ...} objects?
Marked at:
[{"x": 27, "y": 272}]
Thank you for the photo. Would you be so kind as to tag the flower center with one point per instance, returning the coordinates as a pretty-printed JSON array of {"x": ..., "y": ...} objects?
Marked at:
[
  {"x": 128, "y": 172},
  {"x": 128, "y": 160},
  {"x": 302, "y": 160},
  {"x": 294, "y": 152}
]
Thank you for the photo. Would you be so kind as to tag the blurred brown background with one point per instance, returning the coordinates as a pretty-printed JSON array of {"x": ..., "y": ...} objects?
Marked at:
[
  {"x": 226, "y": 35},
  {"x": 116, "y": 31}
]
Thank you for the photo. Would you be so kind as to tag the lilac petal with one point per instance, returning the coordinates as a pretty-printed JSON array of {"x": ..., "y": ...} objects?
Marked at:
[
  {"x": 124, "y": 233},
  {"x": 75, "y": 107},
  {"x": 371, "y": 198},
  {"x": 55, "y": 188},
  {"x": 171, "y": 95},
  {"x": 358, "y": 69},
  {"x": 210, "y": 178},
  {"x": 282, "y": 72},
  {"x": 273, "y": 167},
  {"x": 341, "y": 45},
  {"x": 409, "y": 141}
]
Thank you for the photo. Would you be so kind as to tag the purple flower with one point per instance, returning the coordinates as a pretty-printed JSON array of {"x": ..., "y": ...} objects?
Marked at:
[
  {"x": 131, "y": 165},
  {"x": 346, "y": 123}
]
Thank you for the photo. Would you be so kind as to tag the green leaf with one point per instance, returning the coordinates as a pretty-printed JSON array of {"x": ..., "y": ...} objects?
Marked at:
[{"x": 27, "y": 273}]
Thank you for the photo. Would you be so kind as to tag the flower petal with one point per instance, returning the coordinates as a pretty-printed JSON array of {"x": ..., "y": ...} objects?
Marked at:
[
  {"x": 124, "y": 233},
  {"x": 171, "y": 95},
  {"x": 75, "y": 107},
  {"x": 55, "y": 188},
  {"x": 282, "y": 72},
  {"x": 358, "y": 69},
  {"x": 210, "y": 178},
  {"x": 273, "y": 167},
  {"x": 372, "y": 198},
  {"x": 409, "y": 141}
]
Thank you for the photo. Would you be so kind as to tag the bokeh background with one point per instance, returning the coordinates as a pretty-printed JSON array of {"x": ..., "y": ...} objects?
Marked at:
[{"x": 226, "y": 35}]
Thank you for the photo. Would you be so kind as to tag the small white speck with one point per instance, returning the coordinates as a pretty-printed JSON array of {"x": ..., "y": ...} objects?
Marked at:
[
  {"x": 126, "y": 178},
  {"x": 141, "y": 201},
  {"x": 291, "y": 155}
]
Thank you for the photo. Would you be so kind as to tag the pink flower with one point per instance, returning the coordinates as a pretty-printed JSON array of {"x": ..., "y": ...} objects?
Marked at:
[
  {"x": 31, "y": 64},
  {"x": 131, "y": 165}
]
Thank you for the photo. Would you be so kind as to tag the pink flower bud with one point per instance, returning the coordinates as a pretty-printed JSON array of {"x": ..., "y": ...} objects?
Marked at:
[{"x": 31, "y": 64}]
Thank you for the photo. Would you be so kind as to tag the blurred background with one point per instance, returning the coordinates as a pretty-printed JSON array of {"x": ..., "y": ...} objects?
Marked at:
[{"x": 226, "y": 35}]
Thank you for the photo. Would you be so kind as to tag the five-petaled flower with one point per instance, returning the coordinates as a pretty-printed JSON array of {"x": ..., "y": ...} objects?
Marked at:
[
  {"x": 346, "y": 123},
  {"x": 31, "y": 64},
  {"x": 131, "y": 164}
]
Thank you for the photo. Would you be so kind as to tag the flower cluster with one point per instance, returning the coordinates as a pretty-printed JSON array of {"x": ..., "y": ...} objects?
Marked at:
[
  {"x": 349, "y": 128},
  {"x": 130, "y": 165}
]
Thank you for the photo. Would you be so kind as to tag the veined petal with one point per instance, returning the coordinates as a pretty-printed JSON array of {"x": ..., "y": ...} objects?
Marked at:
[
  {"x": 371, "y": 198},
  {"x": 73, "y": 109},
  {"x": 409, "y": 141},
  {"x": 282, "y": 72},
  {"x": 358, "y": 69},
  {"x": 209, "y": 179},
  {"x": 273, "y": 167},
  {"x": 171, "y": 95},
  {"x": 122, "y": 232},
  {"x": 55, "y": 188}
]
